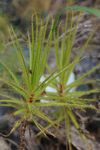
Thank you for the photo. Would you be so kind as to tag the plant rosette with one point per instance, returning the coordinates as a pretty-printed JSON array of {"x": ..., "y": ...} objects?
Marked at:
[{"x": 53, "y": 90}]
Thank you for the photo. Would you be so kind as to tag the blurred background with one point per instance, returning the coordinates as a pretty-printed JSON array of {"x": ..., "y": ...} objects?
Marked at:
[{"x": 19, "y": 12}]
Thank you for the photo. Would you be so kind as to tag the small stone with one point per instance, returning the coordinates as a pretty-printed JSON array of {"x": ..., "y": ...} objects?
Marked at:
[{"x": 4, "y": 145}]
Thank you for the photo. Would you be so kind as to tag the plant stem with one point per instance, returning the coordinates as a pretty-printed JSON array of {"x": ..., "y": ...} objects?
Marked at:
[{"x": 22, "y": 135}]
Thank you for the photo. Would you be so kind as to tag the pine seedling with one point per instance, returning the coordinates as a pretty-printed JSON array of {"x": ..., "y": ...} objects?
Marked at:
[{"x": 27, "y": 108}]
